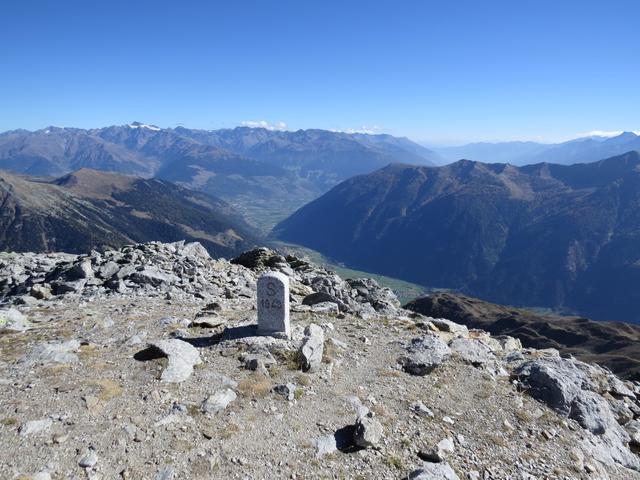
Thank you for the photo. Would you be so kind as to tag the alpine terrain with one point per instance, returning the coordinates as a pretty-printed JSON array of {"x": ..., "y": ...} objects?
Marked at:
[
  {"x": 566, "y": 237},
  {"x": 144, "y": 363},
  {"x": 89, "y": 209},
  {"x": 265, "y": 174}
]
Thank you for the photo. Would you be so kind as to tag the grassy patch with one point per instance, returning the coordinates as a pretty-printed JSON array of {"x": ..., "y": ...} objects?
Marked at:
[
  {"x": 394, "y": 461},
  {"x": 290, "y": 359},
  {"x": 255, "y": 385},
  {"x": 329, "y": 352},
  {"x": 229, "y": 430},
  {"x": 303, "y": 379},
  {"x": 108, "y": 389}
]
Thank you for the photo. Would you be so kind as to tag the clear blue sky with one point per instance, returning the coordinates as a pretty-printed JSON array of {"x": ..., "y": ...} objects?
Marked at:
[{"x": 444, "y": 71}]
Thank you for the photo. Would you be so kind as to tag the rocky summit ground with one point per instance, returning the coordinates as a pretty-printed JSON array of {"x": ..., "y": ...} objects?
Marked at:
[{"x": 143, "y": 363}]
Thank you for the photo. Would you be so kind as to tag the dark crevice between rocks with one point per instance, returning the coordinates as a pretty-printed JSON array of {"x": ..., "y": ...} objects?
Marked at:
[{"x": 344, "y": 439}]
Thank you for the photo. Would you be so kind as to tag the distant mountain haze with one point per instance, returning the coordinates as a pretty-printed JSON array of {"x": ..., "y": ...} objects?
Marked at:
[
  {"x": 566, "y": 237},
  {"x": 266, "y": 174},
  {"x": 88, "y": 209},
  {"x": 580, "y": 150}
]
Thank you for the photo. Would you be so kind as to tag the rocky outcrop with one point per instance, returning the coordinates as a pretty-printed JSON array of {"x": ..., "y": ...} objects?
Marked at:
[
  {"x": 613, "y": 344},
  {"x": 180, "y": 270},
  {"x": 352, "y": 392}
]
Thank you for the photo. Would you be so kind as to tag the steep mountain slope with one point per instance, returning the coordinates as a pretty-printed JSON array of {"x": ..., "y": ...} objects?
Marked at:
[
  {"x": 580, "y": 150},
  {"x": 613, "y": 344},
  {"x": 542, "y": 235},
  {"x": 90, "y": 209}
]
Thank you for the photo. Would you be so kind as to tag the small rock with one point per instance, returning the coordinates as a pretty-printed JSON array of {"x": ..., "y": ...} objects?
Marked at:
[
  {"x": 56, "y": 352},
  {"x": 44, "y": 475},
  {"x": 165, "y": 473},
  {"x": 89, "y": 460},
  {"x": 439, "y": 452},
  {"x": 425, "y": 354},
  {"x": 13, "y": 321},
  {"x": 287, "y": 390},
  {"x": 421, "y": 409},
  {"x": 218, "y": 401},
  {"x": 35, "y": 427},
  {"x": 325, "y": 445}
]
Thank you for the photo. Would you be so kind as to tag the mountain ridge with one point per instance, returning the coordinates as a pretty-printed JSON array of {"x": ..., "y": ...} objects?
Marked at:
[
  {"x": 266, "y": 174},
  {"x": 540, "y": 235},
  {"x": 580, "y": 150},
  {"x": 95, "y": 209}
]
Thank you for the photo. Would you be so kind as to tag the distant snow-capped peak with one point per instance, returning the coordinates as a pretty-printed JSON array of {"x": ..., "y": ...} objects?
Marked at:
[{"x": 144, "y": 125}]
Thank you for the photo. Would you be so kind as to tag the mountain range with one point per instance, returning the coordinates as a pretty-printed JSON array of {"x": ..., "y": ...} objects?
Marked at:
[
  {"x": 566, "y": 237},
  {"x": 89, "y": 209},
  {"x": 265, "y": 174},
  {"x": 580, "y": 150}
]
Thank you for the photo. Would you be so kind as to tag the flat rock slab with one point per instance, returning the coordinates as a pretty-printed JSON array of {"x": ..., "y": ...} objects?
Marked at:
[
  {"x": 35, "y": 427},
  {"x": 471, "y": 351},
  {"x": 182, "y": 357},
  {"x": 56, "y": 352}
]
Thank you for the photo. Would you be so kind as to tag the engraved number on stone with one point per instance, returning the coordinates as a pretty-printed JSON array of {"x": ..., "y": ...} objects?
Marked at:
[{"x": 266, "y": 303}]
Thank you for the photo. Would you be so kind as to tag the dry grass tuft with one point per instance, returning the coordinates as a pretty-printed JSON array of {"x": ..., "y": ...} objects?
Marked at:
[
  {"x": 394, "y": 461},
  {"x": 303, "y": 379},
  {"x": 108, "y": 389},
  {"x": 255, "y": 385}
]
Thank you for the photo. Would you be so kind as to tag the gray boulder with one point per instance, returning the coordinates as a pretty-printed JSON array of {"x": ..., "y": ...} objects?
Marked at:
[
  {"x": 182, "y": 358},
  {"x": 368, "y": 431},
  {"x": 445, "y": 325},
  {"x": 425, "y": 354},
  {"x": 555, "y": 381},
  {"x": 471, "y": 351},
  {"x": 323, "y": 297}
]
